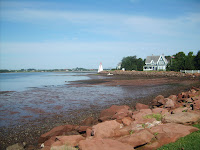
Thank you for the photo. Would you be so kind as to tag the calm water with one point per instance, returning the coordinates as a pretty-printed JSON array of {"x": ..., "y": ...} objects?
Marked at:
[
  {"x": 23, "y": 81},
  {"x": 44, "y": 95}
]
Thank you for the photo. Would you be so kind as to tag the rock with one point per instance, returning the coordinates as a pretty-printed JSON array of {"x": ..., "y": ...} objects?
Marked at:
[
  {"x": 161, "y": 111},
  {"x": 127, "y": 121},
  {"x": 121, "y": 114},
  {"x": 50, "y": 141},
  {"x": 63, "y": 147},
  {"x": 179, "y": 110},
  {"x": 46, "y": 148},
  {"x": 141, "y": 106},
  {"x": 182, "y": 118},
  {"x": 173, "y": 97},
  {"x": 17, "y": 146},
  {"x": 88, "y": 121},
  {"x": 169, "y": 103},
  {"x": 105, "y": 129},
  {"x": 138, "y": 138},
  {"x": 60, "y": 130},
  {"x": 140, "y": 115},
  {"x": 72, "y": 140},
  {"x": 197, "y": 105},
  {"x": 88, "y": 132},
  {"x": 158, "y": 101},
  {"x": 121, "y": 132},
  {"x": 107, "y": 114},
  {"x": 103, "y": 144},
  {"x": 168, "y": 133},
  {"x": 82, "y": 129}
]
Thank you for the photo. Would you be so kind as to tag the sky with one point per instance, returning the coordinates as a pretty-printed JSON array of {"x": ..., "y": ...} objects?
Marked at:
[{"x": 64, "y": 34}]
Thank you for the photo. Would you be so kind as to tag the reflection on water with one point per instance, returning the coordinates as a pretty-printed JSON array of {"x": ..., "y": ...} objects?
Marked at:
[{"x": 44, "y": 102}]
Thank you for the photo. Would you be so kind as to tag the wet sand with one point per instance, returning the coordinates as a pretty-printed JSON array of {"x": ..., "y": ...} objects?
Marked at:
[{"x": 26, "y": 115}]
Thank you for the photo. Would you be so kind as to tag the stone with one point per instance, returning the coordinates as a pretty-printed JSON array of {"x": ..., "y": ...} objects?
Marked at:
[
  {"x": 159, "y": 100},
  {"x": 179, "y": 110},
  {"x": 140, "y": 115},
  {"x": 121, "y": 114},
  {"x": 103, "y": 144},
  {"x": 173, "y": 97},
  {"x": 60, "y": 130},
  {"x": 169, "y": 103},
  {"x": 72, "y": 140},
  {"x": 50, "y": 141},
  {"x": 161, "y": 111},
  {"x": 167, "y": 133},
  {"x": 127, "y": 121},
  {"x": 197, "y": 105},
  {"x": 17, "y": 146},
  {"x": 81, "y": 129},
  {"x": 105, "y": 129},
  {"x": 182, "y": 118},
  {"x": 88, "y": 132},
  {"x": 88, "y": 121},
  {"x": 138, "y": 138},
  {"x": 141, "y": 106},
  {"x": 107, "y": 114},
  {"x": 63, "y": 147}
]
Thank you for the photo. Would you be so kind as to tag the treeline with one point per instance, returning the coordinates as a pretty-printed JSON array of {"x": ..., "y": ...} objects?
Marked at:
[
  {"x": 132, "y": 63},
  {"x": 181, "y": 61},
  {"x": 177, "y": 62}
]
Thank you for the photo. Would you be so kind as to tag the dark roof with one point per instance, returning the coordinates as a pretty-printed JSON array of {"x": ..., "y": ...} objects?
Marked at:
[{"x": 150, "y": 58}]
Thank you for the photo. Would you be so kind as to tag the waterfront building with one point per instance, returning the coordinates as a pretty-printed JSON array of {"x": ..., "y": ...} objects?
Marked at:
[
  {"x": 100, "y": 68},
  {"x": 155, "y": 63}
]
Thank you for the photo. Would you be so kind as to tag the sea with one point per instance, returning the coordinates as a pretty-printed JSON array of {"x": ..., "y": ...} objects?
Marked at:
[{"x": 45, "y": 95}]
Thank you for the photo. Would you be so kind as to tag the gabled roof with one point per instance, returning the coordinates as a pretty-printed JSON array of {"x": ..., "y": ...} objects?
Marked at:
[{"x": 150, "y": 58}]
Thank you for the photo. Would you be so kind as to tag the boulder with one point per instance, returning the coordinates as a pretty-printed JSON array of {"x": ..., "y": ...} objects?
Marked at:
[
  {"x": 158, "y": 101},
  {"x": 103, "y": 144},
  {"x": 82, "y": 129},
  {"x": 63, "y": 147},
  {"x": 140, "y": 115},
  {"x": 107, "y": 114},
  {"x": 50, "y": 141},
  {"x": 141, "y": 106},
  {"x": 127, "y": 121},
  {"x": 169, "y": 103},
  {"x": 60, "y": 130},
  {"x": 197, "y": 105},
  {"x": 179, "y": 110},
  {"x": 182, "y": 118},
  {"x": 88, "y": 121},
  {"x": 72, "y": 140},
  {"x": 138, "y": 138},
  {"x": 173, "y": 97},
  {"x": 122, "y": 113},
  {"x": 105, "y": 129},
  {"x": 168, "y": 133},
  {"x": 161, "y": 111},
  {"x": 17, "y": 146}
]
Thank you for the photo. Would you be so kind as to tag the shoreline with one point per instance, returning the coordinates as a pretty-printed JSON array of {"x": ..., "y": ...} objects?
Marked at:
[{"x": 48, "y": 122}]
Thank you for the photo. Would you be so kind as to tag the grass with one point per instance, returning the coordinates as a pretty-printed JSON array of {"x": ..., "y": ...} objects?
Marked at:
[
  {"x": 189, "y": 142},
  {"x": 158, "y": 117}
]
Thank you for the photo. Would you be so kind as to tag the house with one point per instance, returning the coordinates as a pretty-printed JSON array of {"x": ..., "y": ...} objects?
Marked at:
[{"x": 155, "y": 63}]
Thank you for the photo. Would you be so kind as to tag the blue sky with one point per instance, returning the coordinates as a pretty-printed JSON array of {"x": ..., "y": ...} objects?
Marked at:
[{"x": 82, "y": 33}]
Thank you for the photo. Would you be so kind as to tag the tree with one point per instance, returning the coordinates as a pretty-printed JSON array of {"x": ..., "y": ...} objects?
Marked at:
[
  {"x": 197, "y": 61},
  {"x": 178, "y": 62},
  {"x": 132, "y": 63},
  {"x": 189, "y": 61}
]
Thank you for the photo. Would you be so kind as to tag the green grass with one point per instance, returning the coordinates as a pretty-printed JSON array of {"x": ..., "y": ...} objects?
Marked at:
[
  {"x": 189, "y": 142},
  {"x": 158, "y": 117}
]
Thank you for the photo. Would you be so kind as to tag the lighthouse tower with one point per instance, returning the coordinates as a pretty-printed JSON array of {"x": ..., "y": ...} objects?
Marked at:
[{"x": 100, "y": 68}]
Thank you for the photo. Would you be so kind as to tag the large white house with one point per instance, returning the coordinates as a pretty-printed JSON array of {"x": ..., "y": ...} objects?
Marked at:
[{"x": 155, "y": 63}]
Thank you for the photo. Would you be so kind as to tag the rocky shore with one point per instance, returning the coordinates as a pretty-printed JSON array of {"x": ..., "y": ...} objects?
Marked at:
[{"x": 164, "y": 121}]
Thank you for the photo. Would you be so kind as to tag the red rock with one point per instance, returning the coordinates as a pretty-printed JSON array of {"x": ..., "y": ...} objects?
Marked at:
[
  {"x": 88, "y": 132},
  {"x": 121, "y": 132},
  {"x": 179, "y": 110},
  {"x": 127, "y": 121},
  {"x": 110, "y": 112},
  {"x": 197, "y": 105},
  {"x": 182, "y": 118},
  {"x": 141, "y": 106},
  {"x": 63, "y": 147},
  {"x": 138, "y": 138},
  {"x": 72, "y": 140},
  {"x": 173, "y": 97},
  {"x": 158, "y": 110},
  {"x": 168, "y": 133},
  {"x": 169, "y": 103},
  {"x": 46, "y": 148},
  {"x": 88, "y": 121},
  {"x": 60, "y": 130},
  {"x": 82, "y": 128},
  {"x": 159, "y": 100},
  {"x": 105, "y": 129},
  {"x": 140, "y": 115},
  {"x": 121, "y": 114},
  {"x": 50, "y": 141},
  {"x": 103, "y": 144}
]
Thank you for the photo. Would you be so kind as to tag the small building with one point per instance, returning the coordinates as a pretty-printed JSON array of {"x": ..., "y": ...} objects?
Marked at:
[{"x": 155, "y": 63}]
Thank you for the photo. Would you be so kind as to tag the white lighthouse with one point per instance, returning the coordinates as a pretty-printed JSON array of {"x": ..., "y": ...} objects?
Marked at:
[{"x": 100, "y": 68}]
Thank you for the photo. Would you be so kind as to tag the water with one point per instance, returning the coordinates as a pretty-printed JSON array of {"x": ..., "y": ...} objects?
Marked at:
[
  {"x": 45, "y": 95},
  {"x": 23, "y": 81}
]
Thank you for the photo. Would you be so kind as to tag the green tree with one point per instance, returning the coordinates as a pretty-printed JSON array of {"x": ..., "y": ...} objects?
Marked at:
[
  {"x": 189, "y": 61},
  {"x": 197, "y": 61},
  {"x": 132, "y": 63},
  {"x": 177, "y": 63}
]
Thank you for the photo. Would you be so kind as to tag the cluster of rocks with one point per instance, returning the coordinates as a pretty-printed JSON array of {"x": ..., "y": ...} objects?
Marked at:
[
  {"x": 120, "y": 127},
  {"x": 153, "y": 73}
]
